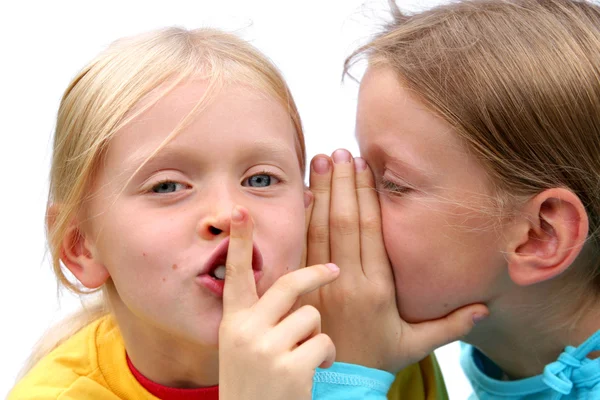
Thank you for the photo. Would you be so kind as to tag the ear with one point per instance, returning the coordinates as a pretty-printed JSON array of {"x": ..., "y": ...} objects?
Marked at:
[
  {"x": 77, "y": 253},
  {"x": 544, "y": 243}
]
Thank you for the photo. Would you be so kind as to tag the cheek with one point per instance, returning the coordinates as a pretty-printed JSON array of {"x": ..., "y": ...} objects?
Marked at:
[
  {"x": 140, "y": 248},
  {"x": 282, "y": 237},
  {"x": 407, "y": 236}
]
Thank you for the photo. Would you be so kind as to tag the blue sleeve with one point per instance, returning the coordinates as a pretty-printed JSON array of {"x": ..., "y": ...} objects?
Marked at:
[{"x": 349, "y": 381}]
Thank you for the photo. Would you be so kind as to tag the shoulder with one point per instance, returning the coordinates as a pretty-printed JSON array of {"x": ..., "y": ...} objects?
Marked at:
[{"x": 69, "y": 368}]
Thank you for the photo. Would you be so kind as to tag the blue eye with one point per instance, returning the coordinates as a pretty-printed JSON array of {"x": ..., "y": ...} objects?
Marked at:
[
  {"x": 167, "y": 187},
  {"x": 260, "y": 180}
]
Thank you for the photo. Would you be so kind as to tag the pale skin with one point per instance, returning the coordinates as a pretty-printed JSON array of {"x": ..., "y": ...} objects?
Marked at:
[
  {"x": 359, "y": 310},
  {"x": 153, "y": 228},
  {"x": 160, "y": 223},
  {"x": 265, "y": 343},
  {"x": 519, "y": 269}
]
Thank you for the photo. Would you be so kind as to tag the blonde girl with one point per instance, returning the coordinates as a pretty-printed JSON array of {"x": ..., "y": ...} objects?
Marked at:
[{"x": 149, "y": 169}]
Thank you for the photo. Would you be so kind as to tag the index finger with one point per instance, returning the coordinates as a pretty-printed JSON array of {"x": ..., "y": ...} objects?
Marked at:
[{"x": 240, "y": 288}]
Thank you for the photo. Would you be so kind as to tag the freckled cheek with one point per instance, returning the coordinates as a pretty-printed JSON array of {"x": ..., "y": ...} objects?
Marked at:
[
  {"x": 283, "y": 242},
  {"x": 133, "y": 256}
]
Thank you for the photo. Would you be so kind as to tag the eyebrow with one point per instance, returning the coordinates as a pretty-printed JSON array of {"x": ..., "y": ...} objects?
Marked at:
[{"x": 259, "y": 150}]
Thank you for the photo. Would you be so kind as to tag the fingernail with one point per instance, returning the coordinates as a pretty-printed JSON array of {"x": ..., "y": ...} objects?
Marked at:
[
  {"x": 477, "y": 318},
  {"x": 308, "y": 196},
  {"x": 332, "y": 267},
  {"x": 359, "y": 164},
  {"x": 341, "y": 156},
  {"x": 237, "y": 215},
  {"x": 321, "y": 165}
]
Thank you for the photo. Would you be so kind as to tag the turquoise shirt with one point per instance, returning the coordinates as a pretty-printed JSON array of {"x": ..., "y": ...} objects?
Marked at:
[
  {"x": 349, "y": 381},
  {"x": 572, "y": 377}
]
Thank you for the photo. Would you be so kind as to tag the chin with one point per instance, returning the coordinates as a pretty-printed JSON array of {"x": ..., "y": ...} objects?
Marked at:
[{"x": 416, "y": 313}]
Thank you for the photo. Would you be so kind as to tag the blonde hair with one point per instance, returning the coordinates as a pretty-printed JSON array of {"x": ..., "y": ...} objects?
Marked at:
[
  {"x": 520, "y": 83},
  {"x": 99, "y": 102}
]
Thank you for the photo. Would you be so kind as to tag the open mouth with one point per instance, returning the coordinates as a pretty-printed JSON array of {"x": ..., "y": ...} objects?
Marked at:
[{"x": 216, "y": 268}]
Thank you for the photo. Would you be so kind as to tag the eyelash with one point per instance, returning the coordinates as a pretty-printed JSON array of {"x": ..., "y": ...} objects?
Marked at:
[
  {"x": 388, "y": 186},
  {"x": 167, "y": 180},
  {"x": 162, "y": 182},
  {"x": 268, "y": 173}
]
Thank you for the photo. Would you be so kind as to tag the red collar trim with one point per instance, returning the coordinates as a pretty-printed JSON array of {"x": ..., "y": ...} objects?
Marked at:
[{"x": 169, "y": 393}]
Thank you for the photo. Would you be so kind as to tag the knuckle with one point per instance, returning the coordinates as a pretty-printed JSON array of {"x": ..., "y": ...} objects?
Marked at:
[
  {"x": 231, "y": 269},
  {"x": 370, "y": 223},
  {"x": 381, "y": 297},
  {"x": 344, "y": 176},
  {"x": 320, "y": 186},
  {"x": 286, "y": 284},
  {"x": 263, "y": 349},
  {"x": 310, "y": 312},
  {"x": 365, "y": 180},
  {"x": 326, "y": 341},
  {"x": 318, "y": 233},
  {"x": 236, "y": 235},
  {"x": 285, "y": 369},
  {"x": 242, "y": 337},
  {"x": 344, "y": 223}
]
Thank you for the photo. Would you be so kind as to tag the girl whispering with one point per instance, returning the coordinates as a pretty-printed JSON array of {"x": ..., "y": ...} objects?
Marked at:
[{"x": 480, "y": 122}]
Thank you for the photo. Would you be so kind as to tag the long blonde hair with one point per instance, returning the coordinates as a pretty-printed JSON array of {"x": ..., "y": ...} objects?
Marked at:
[
  {"x": 98, "y": 103},
  {"x": 519, "y": 80}
]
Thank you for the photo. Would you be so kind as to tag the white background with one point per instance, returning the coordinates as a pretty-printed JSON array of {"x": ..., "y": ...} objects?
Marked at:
[{"x": 42, "y": 46}]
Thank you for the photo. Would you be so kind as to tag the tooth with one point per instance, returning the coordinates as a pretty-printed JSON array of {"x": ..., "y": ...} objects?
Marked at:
[{"x": 220, "y": 272}]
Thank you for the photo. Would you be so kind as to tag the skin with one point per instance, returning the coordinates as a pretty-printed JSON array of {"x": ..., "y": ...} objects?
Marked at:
[
  {"x": 346, "y": 228},
  {"x": 446, "y": 246},
  {"x": 153, "y": 233},
  {"x": 267, "y": 349},
  {"x": 151, "y": 227},
  {"x": 430, "y": 191}
]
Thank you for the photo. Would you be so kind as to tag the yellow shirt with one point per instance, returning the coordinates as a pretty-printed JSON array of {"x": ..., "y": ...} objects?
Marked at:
[
  {"x": 77, "y": 369},
  {"x": 92, "y": 365},
  {"x": 422, "y": 381}
]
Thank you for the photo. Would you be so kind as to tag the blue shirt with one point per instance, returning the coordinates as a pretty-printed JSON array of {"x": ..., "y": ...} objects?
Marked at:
[
  {"x": 349, "y": 381},
  {"x": 572, "y": 377}
]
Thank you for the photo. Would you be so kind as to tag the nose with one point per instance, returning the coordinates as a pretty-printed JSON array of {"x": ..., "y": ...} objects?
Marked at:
[{"x": 214, "y": 226}]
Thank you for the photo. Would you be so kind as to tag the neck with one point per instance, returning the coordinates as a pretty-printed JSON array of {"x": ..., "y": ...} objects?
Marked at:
[
  {"x": 522, "y": 337},
  {"x": 164, "y": 358}
]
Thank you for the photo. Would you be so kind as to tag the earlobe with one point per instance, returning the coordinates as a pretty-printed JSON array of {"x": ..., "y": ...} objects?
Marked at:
[
  {"x": 78, "y": 257},
  {"x": 546, "y": 242}
]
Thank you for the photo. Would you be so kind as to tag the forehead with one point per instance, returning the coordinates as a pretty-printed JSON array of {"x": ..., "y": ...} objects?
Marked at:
[
  {"x": 390, "y": 112},
  {"x": 194, "y": 117},
  {"x": 395, "y": 127}
]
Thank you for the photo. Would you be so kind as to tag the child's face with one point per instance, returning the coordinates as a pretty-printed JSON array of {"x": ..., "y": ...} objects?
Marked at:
[
  {"x": 156, "y": 233},
  {"x": 445, "y": 250}
]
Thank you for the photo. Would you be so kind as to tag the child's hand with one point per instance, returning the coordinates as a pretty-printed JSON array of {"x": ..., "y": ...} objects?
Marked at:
[
  {"x": 267, "y": 350},
  {"x": 359, "y": 310}
]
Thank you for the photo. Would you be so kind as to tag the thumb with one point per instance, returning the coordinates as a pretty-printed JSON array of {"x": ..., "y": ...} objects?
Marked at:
[{"x": 430, "y": 335}]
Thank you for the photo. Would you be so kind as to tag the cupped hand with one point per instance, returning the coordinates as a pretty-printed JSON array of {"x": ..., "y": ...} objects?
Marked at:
[{"x": 359, "y": 310}]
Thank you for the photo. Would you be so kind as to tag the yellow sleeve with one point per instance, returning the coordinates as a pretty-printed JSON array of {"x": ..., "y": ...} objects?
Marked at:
[{"x": 422, "y": 381}]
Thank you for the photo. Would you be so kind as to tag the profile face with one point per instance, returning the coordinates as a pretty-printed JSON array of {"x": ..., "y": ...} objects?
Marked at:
[{"x": 444, "y": 247}]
